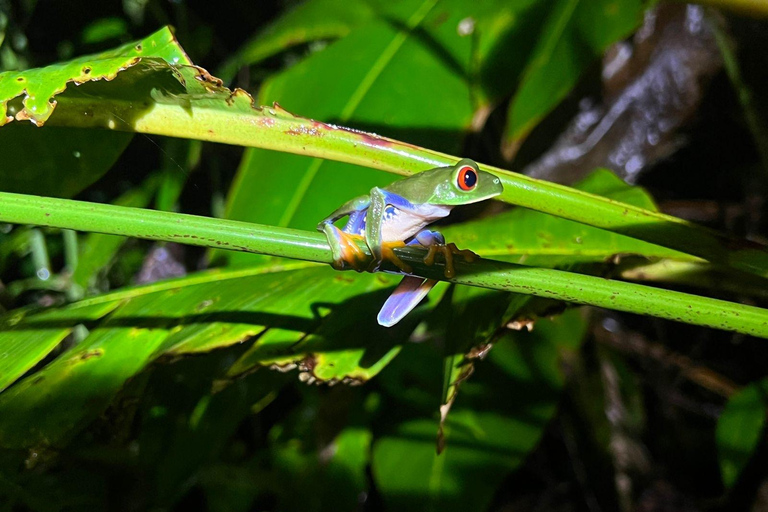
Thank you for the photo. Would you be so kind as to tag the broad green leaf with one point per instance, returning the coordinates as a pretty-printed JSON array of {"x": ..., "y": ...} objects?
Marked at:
[
  {"x": 194, "y": 314},
  {"x": 575, "y": 34},
  {"x": 384, "y": 66},
  {"x": 23, "y": 345},
  {"x": 740, "y": 428},
  {"x": 513, "y": 395}
]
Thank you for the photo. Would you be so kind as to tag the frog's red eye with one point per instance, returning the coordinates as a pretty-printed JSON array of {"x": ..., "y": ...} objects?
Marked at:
[{"x": 467, "y": 178}]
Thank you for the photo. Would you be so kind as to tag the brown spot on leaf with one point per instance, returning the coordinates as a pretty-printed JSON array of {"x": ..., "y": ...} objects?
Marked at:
[
  {"x": 308, "y": 363},
  {"x": 88, "y": 354}
]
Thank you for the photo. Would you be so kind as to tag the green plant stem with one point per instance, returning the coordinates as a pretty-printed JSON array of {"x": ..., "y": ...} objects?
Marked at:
[
  {"x": 291, "y": 243},
  {"x": 275, "y": 129}
]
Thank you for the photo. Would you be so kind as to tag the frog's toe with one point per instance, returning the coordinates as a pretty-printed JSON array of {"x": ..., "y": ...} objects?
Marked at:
[
  {"x": 448, "y": 251},
  {"x": 388, "y": 254}
]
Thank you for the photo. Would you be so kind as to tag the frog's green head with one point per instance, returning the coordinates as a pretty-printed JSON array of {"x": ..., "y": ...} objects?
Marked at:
[{"x": 467, "y": 184}]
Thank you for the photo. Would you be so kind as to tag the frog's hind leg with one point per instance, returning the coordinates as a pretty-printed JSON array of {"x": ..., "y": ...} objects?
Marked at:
[
  {"x": 344, "y": 242},
  {"x": 406, "y": 296}
]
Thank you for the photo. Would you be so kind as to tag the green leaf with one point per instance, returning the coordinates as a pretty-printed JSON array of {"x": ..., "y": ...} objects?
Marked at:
[
  {"x": 740, "y": 428},
  {"x": 335, "y": 480},
  {"x": 194, "y": 314},
  {"x": 38, "y": 88},
  {"x": 536, "y": 239},
  {"x": 104, "y": 29},
  {"x": 513, "y": 395},
  {"x": 154, "y": 96},
  {"x": 575, "y": 34},
  {"x": 23, "y": 345}
]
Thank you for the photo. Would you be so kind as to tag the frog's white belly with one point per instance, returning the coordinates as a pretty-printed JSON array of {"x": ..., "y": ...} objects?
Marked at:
[{"x": 401, "y": 225}]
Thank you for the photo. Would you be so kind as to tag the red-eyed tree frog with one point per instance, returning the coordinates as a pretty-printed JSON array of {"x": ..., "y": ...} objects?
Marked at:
[{"x": 395, "y": 216}]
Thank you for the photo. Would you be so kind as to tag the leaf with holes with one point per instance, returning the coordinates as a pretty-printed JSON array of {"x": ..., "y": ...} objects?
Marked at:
[{"x": 66, "y": 161}]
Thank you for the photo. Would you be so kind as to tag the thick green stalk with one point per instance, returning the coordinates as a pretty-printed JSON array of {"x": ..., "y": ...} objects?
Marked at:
[
  {"x": 290, "y": 243},
  {"x": 275, "y": 129}
]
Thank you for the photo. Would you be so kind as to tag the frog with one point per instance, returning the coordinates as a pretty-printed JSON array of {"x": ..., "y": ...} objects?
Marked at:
[{"x": 397, "y": 215}]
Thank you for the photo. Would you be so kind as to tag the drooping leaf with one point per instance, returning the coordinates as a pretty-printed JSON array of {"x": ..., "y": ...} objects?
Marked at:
[{"x": 740, "y": 428}]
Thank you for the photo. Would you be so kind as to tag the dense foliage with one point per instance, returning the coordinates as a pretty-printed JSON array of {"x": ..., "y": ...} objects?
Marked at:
[{"x": 173, "y": 369}]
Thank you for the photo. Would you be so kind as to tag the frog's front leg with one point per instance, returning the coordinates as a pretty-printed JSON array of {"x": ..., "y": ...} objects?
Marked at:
[
  {"x": 376, "y": 217},
  {"x": 435, "y": 242},
  {"x": 344, "y": 242}
]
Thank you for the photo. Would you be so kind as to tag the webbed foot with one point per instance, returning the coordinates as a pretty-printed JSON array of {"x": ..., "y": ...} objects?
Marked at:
[
  {"x": 346, "y": 252},
  {"x": 388, "y": 254},
  {"x": 448, "y": 251}
]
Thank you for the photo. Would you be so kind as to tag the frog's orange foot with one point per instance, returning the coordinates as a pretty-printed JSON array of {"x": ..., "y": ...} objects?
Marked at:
[
  {"x": 346, "y": 252},
  {"x": 388, "y": 254},
  {"x": 448, "y": 251}
]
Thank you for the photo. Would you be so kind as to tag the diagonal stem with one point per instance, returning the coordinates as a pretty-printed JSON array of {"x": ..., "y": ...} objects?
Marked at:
[{"x": 309, "y": 246}]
